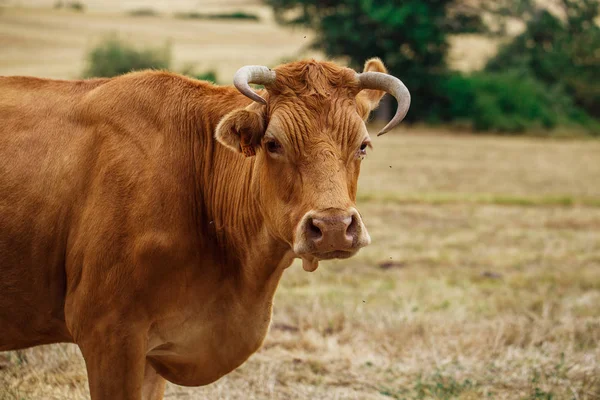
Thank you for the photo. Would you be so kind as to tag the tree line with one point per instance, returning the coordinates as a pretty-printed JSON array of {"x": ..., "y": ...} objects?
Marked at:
[{"x": 544, "y": 77}]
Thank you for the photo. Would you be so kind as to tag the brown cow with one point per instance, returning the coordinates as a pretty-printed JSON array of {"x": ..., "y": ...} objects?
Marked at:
[{"x": 126, "y": 228}]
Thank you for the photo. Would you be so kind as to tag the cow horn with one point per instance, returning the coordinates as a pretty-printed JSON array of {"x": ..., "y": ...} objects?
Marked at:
[
  {"x": 253, "y": 74},
  {"x": 389, "y": 84}
]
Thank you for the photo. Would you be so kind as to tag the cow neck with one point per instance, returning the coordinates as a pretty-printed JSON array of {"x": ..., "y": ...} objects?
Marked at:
[{"x": 229, "y": 213}]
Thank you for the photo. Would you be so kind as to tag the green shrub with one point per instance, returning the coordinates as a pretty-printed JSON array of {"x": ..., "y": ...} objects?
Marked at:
[
  {"x": 115, "y": 57},
  {"x": 73, "y": 5},
  {"x": 233, "y": 15},
  {"x": 557, "y": 51},
  {"x": 210, "y": 76},
  {"x": 511, "y": 102},
  {"x": 142, "y": 12},
  {"x": 76, "y": 5}
]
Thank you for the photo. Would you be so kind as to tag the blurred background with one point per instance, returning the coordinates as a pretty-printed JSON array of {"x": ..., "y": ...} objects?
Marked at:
[{"x": 483, "y": 279}]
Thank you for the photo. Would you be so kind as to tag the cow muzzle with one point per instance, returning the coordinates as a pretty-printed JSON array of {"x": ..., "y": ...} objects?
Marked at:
[{"x": 331, "y": 233}]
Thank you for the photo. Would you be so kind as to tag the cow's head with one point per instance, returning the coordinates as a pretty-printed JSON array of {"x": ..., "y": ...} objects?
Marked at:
[{"x": 309, "y": 137}]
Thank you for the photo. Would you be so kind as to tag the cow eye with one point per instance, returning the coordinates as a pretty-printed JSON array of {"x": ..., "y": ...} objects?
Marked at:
[
  {"x": 363, "y": 148},
  {"x": 273, "y": 146}
]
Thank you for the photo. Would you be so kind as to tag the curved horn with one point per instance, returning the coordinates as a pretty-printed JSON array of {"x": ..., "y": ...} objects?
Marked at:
[
  {"x": 253, "y": 74},
  {"x": 391, "y": 85}
]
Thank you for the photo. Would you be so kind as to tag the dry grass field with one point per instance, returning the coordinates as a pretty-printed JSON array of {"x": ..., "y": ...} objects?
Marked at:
[
  {"x": 52, "y": 43},
  {"x": 483, "y": 281}
]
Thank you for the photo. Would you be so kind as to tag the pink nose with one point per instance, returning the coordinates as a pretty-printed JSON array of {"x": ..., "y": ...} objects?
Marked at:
[
  {"x": 332, "y": 230},
  {"x": 330, "y": 233}
]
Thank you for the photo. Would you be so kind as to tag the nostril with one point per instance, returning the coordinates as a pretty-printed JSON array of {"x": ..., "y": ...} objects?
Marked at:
[
  {"x": 313, "y": 232},
  {"x": 352, "y": 230}
]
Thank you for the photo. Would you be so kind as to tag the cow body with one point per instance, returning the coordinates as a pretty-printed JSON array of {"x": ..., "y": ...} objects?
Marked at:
[
  {"x": 126, "y": 228},
  {"x": 98, "y": 217}
]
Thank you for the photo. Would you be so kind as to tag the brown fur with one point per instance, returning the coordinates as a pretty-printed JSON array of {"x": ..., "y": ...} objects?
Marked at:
[{"x": 126, "y": 228}]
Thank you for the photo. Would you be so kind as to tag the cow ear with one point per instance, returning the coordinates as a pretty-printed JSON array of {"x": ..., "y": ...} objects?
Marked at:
[
  {"x": 368, "y": 100},
  {"x": 242, "y": 130}
]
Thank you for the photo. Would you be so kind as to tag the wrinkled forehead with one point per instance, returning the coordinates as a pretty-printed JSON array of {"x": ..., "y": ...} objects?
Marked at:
[{"x": 298, "y": 123}]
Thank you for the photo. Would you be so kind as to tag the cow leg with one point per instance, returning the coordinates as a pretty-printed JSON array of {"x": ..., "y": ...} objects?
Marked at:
[
  {"x": 115, "y": 363},
  {"x": 154, "y": 384}
]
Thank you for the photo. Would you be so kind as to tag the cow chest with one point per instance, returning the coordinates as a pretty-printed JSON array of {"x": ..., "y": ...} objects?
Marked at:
[{"x": 209, "y": 337}]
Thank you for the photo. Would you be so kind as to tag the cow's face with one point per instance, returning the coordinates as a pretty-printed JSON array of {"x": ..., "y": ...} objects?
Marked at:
[{"x": 309, "y": 142}]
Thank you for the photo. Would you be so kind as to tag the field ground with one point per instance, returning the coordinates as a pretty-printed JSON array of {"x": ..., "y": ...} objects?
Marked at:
[{"x": 483, "y": 280}]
